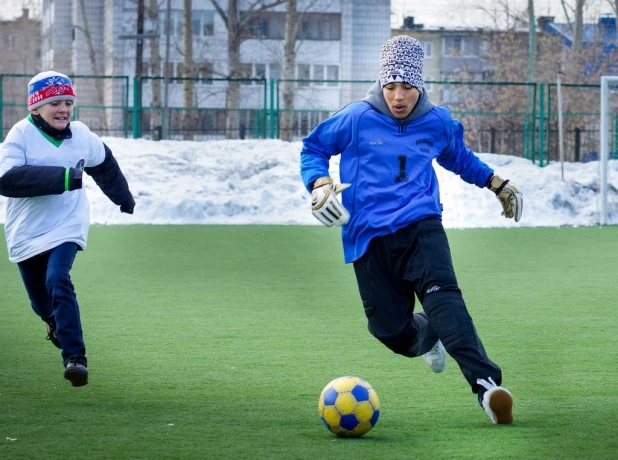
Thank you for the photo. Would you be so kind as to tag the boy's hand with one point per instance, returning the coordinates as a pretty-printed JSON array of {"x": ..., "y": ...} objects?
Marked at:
[
  {"x": 509, "y": 196},
  {"x": 128, "y": 206},
  {"x": 325, "y": 205}
]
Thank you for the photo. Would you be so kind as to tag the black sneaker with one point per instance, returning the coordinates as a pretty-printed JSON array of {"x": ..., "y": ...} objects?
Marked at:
[
  {"x": 75, "y": 371},
  {"x": 52, "y": 334}
]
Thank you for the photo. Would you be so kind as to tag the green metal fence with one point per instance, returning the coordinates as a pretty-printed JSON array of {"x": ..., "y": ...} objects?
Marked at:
[
  {"x": 157, "y": 111},
  {"x": 518, "y": 119},
  {"x": 581, "y": 119},
  {"x": 498, "y": 117}
]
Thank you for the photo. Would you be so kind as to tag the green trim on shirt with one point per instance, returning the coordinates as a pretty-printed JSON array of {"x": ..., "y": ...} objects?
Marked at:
[
  {"x": 67, "y": 173},
  {"x": 46, "y": 136}
]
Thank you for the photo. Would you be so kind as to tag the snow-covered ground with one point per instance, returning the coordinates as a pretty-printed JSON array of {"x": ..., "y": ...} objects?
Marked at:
[{"x": 258, "y": 182}]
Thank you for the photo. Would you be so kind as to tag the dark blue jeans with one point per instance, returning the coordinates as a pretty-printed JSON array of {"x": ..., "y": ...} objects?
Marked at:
[{"x": 48, "y": 282}]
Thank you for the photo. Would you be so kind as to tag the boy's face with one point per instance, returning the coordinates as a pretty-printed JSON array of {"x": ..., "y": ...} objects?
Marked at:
[
  {"x": 57, "y": 114},
  {"x": 401, "y": 98}
]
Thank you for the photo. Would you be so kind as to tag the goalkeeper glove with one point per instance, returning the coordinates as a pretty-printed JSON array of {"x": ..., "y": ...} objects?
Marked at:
[
  {"x": 325, "y": 205},
  {"x": 509, "y": 196}
]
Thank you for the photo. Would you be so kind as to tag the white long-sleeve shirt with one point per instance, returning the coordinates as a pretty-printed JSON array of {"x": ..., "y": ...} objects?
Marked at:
[{"x": 37, "y": 224}]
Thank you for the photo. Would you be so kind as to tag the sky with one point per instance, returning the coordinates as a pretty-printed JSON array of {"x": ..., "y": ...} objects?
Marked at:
[
  {"x": 432, "y": 13},
  {"x": 258, "y": 182},
  {"x": 474, "y": 13}
]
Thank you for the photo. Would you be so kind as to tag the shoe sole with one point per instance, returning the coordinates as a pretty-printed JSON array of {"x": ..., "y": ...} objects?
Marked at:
[
  {"x": 77, "y": 379},
  {"x": 501, "y": 403}
]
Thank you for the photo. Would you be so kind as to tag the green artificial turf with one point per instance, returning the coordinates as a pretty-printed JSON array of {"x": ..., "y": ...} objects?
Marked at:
[{"x": 215, "y": 342}]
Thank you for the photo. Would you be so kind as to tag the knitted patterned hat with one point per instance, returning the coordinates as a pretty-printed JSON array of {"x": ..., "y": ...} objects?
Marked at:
[
  {"x": 48, "y": 87},
  {"x": 401, "y": 61}
]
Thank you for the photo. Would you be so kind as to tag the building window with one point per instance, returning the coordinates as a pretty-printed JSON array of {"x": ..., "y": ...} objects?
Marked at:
[
  {"x": 484, "y": 48},
  {"x": 264, "y": 25},
  {"x": 274, "y": 71},
  {"x": 487, "y": 75},
  {"x": 320, "y": 26},
  {"x": 176, "y": 23},
  {"x": 259, "y": 71},
  {"x": 313, "y": 26},
  {"x": 253, "y": 71},
  {"x": 303, "y": 72},
  {"x": 332, "y": 73},
  {"x": 203, "y": 23},
  {"x": 428, "y": 47},
  {"x": 245, "y": 71},
  {"x": 318, "y": 73},
  {"x": 457, "y": 45},
  {"x": 205, "y": 71},
  {"x": 453, "y": 46},
  {"x": 9, "y": 42}
]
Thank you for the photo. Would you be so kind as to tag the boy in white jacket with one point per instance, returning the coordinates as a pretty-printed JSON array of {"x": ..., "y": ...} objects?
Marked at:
[{"x": 47, "y": 212}]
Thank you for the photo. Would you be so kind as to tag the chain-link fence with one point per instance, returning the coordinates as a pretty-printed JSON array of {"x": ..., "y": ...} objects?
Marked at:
[
  {"x": 518, "y": 119},
  {"x": 197, "y": 109}
]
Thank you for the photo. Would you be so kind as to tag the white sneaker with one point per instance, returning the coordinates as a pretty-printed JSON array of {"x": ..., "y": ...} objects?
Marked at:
[
  {"x": 497, "y": 402},
  {"x": 436, "y": 358}
]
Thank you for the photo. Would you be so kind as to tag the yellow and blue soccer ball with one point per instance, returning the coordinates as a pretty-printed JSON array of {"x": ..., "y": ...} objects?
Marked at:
[{"x": 349, "y": 407}]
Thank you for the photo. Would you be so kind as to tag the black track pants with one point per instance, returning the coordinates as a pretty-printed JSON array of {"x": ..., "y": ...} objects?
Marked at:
[{"x": 416, "y": 260}]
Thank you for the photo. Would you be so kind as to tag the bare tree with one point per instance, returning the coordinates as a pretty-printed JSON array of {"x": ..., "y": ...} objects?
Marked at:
[
  {"x": 235, "y": 22},
  {"x": 188, "y": 70},
  {"x": 293, "y": 19},
  {"x": 531, "y": 41},
  {"x": 576, "y": 24},
  {"x": 289, "y": 63},
  {"x": 98, "y": 83},
  {"x": 502, "y": 14},
  {"x": 614, "y": 5},
  {"x": 152, "y": 12}
]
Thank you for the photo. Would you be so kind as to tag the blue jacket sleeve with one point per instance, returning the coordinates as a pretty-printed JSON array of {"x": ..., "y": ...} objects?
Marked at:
[
  {"x": 112, "y": 182},
  {"x": 459, "y": 159},
  {"x": 329, "y": 138}
]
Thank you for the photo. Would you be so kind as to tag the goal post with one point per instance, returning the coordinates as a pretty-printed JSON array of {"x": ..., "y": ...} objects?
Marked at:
[{"x": 605, "y": 130}]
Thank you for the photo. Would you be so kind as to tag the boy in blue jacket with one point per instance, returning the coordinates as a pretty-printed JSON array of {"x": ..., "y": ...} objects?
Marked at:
[
  {"x": 42, "y": 161},
  {"x": 391, "y": 217}
]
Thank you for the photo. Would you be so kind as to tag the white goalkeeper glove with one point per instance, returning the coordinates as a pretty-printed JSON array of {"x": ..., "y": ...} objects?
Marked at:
[
  {"x": 509, "y": 196},
  {"x": 325, "y": 205}
]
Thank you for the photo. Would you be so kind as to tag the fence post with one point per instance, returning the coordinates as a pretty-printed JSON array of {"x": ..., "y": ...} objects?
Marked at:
[
  {"x": 531, "y": 117},
  {"x": 541, "y": 122},
  {"x": 265, "y": 111},
  {"x": 492, "y": 140},
  {"x": 136, "y": 109},
  {"x": 615, "y": 138},
  {"x": 125, "y": 110},
  {"x": 1, "y": 111},
  {"x": 578, "y": 143},
  {"x": 272, "y": 108}
]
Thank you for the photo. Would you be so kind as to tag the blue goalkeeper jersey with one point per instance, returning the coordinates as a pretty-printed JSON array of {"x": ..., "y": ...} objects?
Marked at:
[{"x": 389, "y": 165}]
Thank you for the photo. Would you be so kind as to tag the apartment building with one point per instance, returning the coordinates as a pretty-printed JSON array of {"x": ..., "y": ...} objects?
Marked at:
[{"x": 340, "y": 40}]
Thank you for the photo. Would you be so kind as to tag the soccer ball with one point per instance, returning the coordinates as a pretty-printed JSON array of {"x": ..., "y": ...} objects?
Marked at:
[{"x": 349, "y": 407}]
